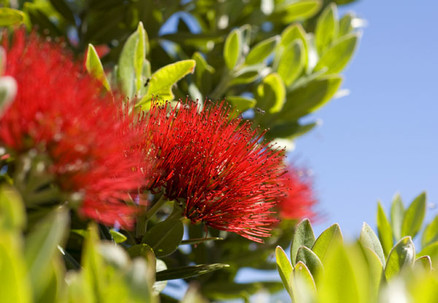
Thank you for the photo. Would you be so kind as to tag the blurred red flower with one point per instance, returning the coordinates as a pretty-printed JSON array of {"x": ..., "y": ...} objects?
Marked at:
[
  {"x": 216, "y": 167},
  {"x": 299, "y": 200},
  {"x": 62, "y": 112}
]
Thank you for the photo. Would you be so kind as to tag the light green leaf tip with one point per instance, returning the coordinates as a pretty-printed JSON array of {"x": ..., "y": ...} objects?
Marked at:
[{"x": 95, "y": 68}]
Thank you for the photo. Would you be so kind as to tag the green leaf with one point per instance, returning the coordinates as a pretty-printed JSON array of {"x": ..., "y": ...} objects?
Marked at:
[
  {"x": 261, "y": 51},
  {"x": 328, "y": 238},
  {"x": 309, "y": 97},
  {"x": 338, "y": 55},
  {"x": 117, "y": 236},
  {"x": 271, "y": 93},
  {"x": 165, "y": 236},
  {"x": 345, "y": 25},
  {"x": 384, "y": 229},
  {"x": 284, "y": 268},
  {"x": 414, "y": 216},
  {"x": 369, "y": 239},
  {"x": 8, "y": 90},
  {"x": 12, "y": 211},
  {"x": 14, "y": 283},
  {"x": 241, "y": 103},
  {"x": 397, "y": 214},
  {"x": 62, "y": 7},
  {"x": 308, "y": 257},
  {"x": 42, "y": 245},
  {"x": 326, "y": 28},
  {"x": 345, "y": 278},
  {"x": 429, "y": 250},
  {"x": 291, "y": 62},
  {"x": 375, "y": 269},
  {"x": 188, "y": 271},
  {"x": 402, "y": 255},
  {"x": 289, "y": 130},
  {"x": 200, "y": 240},
  {"x": 161, "y": 82},
  {"x": 430, "y": 233},
  {"x": 233, "y": 48},
  {"x": 304, "y": 287},
  {"x": 203, "y": 73},
  {"x": 303, "y": 236},
  {"x": 95, "y": 68},
  {"x": 290, "y": 34},
  {"x": 424, "y": 263},
  {"x": 125, "y": 68},
  {"x": 141, "y": 250},
  {"x": 290, "y": 12},
  {"x": 10, "y": 16},
  {"x": 140, "y": 55}
]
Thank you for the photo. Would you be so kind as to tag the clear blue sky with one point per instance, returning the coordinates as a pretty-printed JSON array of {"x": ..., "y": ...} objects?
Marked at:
[{"x": 382, "y": 138}]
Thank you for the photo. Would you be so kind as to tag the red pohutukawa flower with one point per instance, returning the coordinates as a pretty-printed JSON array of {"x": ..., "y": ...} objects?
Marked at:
[
  {"x": 61, "y": 112},
  {"x": 299, "y": 199},
  {"x": 216, "y": 167}
]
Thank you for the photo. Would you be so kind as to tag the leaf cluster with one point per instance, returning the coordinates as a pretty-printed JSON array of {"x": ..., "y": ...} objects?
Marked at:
[{"x": 371, "y": 269}]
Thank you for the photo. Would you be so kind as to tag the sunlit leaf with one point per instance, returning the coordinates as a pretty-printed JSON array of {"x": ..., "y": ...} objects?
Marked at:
[{"x": 402, "y": 255}]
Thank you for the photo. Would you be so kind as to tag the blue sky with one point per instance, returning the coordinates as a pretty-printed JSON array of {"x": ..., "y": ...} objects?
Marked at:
[{"x": 382, "y": 138}]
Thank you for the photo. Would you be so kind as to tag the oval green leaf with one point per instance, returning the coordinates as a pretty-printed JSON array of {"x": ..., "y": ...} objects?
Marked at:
[
  {"x": 303, "y": 236},
  {"x": 329, "y": 238},
  {"x": 414, "y": 216},
  {"x": 233, "y": 48},
  {"x": 402, "y": 255}
]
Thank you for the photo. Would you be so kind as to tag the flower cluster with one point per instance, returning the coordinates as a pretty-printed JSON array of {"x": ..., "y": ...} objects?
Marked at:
[
  {"x": 215, "y": 166},
  {"x": 299, "y": 199},
  {"x": 62, "y": 112}
]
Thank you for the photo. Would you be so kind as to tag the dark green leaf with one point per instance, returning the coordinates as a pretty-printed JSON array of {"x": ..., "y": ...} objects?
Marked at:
[
  {"x": 303, "y": 236},
  {"x": 62, "y": 7},
  {"x": 290, "y": 130},
  {"x": 414, "y": 216},
  {"x": 308, "y": 257},
  {"x": 165, "y": 236},
  {"x": 188, "y": 271},
  {"x": 200, "y": 240},
  {"x": 401, "y": 255}
]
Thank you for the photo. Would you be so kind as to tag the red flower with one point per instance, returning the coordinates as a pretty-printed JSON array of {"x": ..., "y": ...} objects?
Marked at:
[
  {"x": 215, "y": 167},
  {"x": 299, "y": 200},
  {"x": 61, "y": 112}
]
